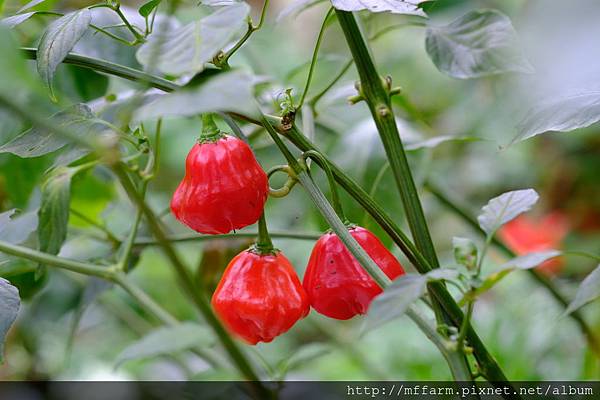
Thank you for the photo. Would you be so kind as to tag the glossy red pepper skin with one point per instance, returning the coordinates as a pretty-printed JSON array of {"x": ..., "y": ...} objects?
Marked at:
[
  {"x": 526, "y": 234},
  {"x": 260, "y": 297},
  {"x": 336, "y": 284},
  {"x": 224, "y": 187}
]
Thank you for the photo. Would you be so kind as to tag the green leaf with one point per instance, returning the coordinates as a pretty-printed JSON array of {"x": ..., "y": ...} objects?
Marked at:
[
  {"x": 187, "y": 49},
  {"x": 393, "y": 6},
  {"x": 146, "y": 9},
  {"x": 38, "y": 141},
  {"x": 532, "y": 260},
  {"x": 465, "y": 252},
  {"x": 9, "y": 304},
  {"x": 167, "y": 340},
  {"x": 395, "y": 300},
  {"x": 490, "y": 281},
  {"x": 480, "y": 43},
  {"x": 30, "y": 5},
  {"x": 588, "y": 291},
  {"x": 16, "y": 229},
  {"x": 15, "y": 20},
  {"x": 58, "y": 40},
  {"x": 504, "y": 208},
  {"x": 229, "y": 91},
  {"x": 560, "y": 115},
  {"x": 54, "y": 210}
]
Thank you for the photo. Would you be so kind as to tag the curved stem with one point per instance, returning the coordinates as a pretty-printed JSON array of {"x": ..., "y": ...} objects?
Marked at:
[
  {"x": 315, "y": 99},
  {"x": 315, "y": 56},
  {"x": 224, "y": 59}
]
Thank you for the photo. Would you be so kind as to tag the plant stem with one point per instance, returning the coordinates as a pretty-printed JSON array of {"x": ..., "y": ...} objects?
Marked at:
[
  {"x": 378, "y": 100},
  {"x": 187, "y": 282},
  {"x": 189, "y": 237},
  {"x": 59, "y": 262},
  {"x": 315, "y": 99},
  {"x": 335, "y": 197},
  {"x": 264, "y": 244},
  {"x": 224, "y": 60},
  {"x": 110, "y": 68},
  {"x": 466, "y": 216},
  {"x": 315, "y": 56}
]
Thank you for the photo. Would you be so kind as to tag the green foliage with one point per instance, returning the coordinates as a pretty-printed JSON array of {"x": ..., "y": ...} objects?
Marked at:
[
  {"x": 480, "y": 43},
  {"x": 9, "y": 304},
  {"x": 58, "y": 39},
  {"x": 588, "y": 291},
  {"x": 504, "y": 208}
]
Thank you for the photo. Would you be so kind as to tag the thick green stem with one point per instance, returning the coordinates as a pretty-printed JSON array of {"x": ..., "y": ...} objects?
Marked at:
[{"x": 377, "y": 97}]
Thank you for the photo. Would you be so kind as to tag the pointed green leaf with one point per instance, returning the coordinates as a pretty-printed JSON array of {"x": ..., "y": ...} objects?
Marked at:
[
  {"x": 393, "y": 6},
  {"x": 504, "y": 208},
  {"x": 532, "y": 260},
  {"x": 15, "y": 20},
  {"x": 37, "y": 141},
  {"x": 588, "y": 291},
  {"x": 560, "y": 115},
  {"x": 54, "y": 210},
  {"x": 9, "y": 308},
  {"x": 16, "y": 229},
  {"x": 480, "y": 43},
  {"x": 58, "y": 40},
  {"x": 395, "y": 300},
  {"x": 146, "y": 9},
  {"x": 187, "y": 49},
  {"x": 229, "y": 91}
]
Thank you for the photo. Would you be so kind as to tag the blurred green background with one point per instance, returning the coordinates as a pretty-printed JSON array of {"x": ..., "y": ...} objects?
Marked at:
[{"x": 72, "y": 327}]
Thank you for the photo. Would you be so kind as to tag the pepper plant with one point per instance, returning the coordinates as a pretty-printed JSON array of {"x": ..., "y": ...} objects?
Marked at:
[{"x": 170, "y": 60}]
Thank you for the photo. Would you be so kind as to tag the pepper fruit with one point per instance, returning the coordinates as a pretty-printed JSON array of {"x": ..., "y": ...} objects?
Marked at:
[
  {"x": 224, "y": 187},
  {"x": 260, "y": 296},
  {"x": 336, "y": 284},
  {"x": 526, "y": 234}
]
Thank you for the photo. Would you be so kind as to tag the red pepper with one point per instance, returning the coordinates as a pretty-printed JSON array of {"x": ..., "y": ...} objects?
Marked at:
[
  {"x": 260, "y": 296},
  {"x": 526, "y": 234},
  {"x": 336, "y": 284},
  {"x": 224, "y": 187}
]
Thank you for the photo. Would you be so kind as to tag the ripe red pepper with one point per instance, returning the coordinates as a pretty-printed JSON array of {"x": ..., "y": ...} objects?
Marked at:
[
  {"x": 260, "y": 296},
  {"x": 526, "y": 234},
  {"x": 224, "y": 187},
  {"x": 336, "y": 284}
]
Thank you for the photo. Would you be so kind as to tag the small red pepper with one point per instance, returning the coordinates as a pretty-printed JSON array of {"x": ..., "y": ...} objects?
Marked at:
[
  {"x": 336, "y": 284},
  {"x": 260, "y": 296},
  {"x": 224, "y": 187}
]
